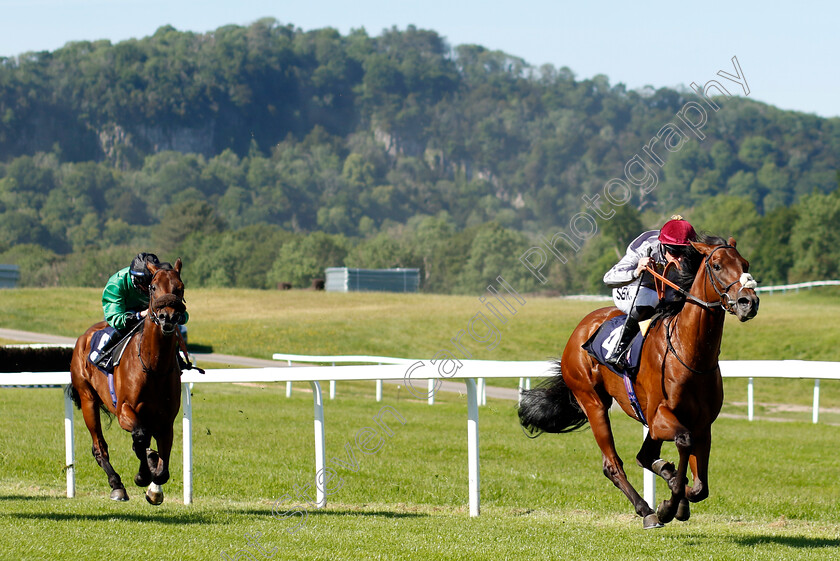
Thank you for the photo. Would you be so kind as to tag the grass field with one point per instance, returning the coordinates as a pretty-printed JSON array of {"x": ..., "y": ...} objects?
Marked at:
[
  {"x": 774, "y": 493},
  {"x": 258, "y": 323},
  {"x": 773, "y": 489}
]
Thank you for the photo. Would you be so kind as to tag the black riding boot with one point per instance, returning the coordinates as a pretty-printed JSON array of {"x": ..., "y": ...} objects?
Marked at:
[{"x": 616, "y": 357}]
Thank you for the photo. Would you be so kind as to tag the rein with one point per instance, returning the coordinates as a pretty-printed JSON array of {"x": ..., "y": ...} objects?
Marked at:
[
  {"x": 745, "y": 279},
  {"x": 690, "y": 297},
  {"x": 681, "y": 361}
]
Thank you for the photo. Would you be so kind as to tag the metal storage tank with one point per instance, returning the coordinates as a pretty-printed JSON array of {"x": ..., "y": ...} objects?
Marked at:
[
  {"x": 345, "y": 279},
  {"x": 9, "y": 276}
]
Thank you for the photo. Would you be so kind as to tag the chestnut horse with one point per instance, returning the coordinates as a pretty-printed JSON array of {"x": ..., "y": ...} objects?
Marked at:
[
  {"x": 678, "y": 385},
  {"x": 147, "y": 382}
]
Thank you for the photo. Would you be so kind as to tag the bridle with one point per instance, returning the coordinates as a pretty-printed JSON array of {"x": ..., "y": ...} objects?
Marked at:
[
  {"x": 746, "y": 280},
  {"x": 169, "y": 300},
  {"x": 726, "y": 301}
]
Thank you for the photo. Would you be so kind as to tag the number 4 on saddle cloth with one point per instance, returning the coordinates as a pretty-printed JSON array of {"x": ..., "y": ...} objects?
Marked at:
[{"x": 606, "y": 338}]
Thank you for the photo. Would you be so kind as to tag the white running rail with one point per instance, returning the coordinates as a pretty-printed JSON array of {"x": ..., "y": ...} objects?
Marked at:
[{"x": 469, "y": 372}]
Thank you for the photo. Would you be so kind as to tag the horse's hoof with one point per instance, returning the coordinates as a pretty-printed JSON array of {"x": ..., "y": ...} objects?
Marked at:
[
  {"x": 652, "y": 521},
  {"x": 665, "y": 512},
  {"x": 119, "y": 495},
  {"x": 683, "y": 511},
  {"x": 154, "y": 494}
]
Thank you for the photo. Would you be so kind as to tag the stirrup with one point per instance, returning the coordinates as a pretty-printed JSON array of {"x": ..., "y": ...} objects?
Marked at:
[{"x": 618, "y": 360}]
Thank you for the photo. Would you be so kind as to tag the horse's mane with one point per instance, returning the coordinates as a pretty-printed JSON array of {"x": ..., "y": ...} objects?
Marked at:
[{"x": 673, "y": 301}]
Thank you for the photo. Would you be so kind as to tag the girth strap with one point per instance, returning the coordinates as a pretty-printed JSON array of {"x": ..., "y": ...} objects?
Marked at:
[{"x": 634, "y": 401}]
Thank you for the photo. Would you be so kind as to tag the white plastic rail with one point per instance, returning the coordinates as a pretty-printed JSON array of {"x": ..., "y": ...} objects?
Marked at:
[
  {"x": 470, "y": 371},
  {"x": 314, "y": 375}
]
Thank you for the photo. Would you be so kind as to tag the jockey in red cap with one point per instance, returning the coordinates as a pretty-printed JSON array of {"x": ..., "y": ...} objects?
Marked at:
[{"x": 638, "y": 299}]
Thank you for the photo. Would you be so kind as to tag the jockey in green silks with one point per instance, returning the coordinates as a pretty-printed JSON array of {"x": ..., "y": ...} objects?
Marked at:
[{"x": 125, "y": 302}]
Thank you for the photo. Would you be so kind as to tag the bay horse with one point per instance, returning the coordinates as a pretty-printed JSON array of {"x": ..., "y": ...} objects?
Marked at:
[
  {"x": 147, "y": 383},
  {"x": 678, "y": 385}
]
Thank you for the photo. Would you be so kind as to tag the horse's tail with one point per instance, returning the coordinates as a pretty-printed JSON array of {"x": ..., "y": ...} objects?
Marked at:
[
  {"x": 550, "y": 407},
  {"x": 71, "y": 392}
]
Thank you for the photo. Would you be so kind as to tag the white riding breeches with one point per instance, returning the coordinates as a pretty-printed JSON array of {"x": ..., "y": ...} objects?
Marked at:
[{"x": 623, "y": 297}]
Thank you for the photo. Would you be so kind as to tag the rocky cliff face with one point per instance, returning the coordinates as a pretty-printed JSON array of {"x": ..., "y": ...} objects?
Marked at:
[{"x": 115, "y": 140}]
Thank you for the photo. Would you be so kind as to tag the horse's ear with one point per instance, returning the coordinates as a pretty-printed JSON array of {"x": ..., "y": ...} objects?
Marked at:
[
  {"x": 152, "y": 268},
  {"x": 731, "y": 241},
  {"x": 178, "y": 265},
  {"x": 705, "y": 249}
]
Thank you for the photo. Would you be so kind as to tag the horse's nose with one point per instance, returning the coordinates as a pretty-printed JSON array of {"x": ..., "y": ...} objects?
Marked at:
[
  {"x": 168, "y": 322},
  {"x": 747, "y": 307}
]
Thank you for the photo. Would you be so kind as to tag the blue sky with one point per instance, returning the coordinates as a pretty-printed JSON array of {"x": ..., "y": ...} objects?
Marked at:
[{"x": 787, "y": 51}]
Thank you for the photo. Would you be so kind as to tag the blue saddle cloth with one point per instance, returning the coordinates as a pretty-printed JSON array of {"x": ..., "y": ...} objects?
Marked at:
[
  {"x": 108, "y": 370},
  {"x": 603, "y": 341},
  {"x": 606, "y": 338}
]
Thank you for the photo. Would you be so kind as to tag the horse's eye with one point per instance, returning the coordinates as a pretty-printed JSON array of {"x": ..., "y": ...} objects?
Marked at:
[
  {"x": 152, "y": 287},
  {"x": 716, "y": 267}
]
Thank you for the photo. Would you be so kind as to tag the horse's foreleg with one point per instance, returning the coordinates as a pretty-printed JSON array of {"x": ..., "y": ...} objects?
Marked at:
[
  {"x": 141, "y": 439},
  {"x": 665, "y": 426},
  {"x": 700, "y": 468},
  {"x": 699, "y": 464},
  {"x": 612, "y": 465},
  {"x": 90, "y": 412},
  {"x": 157, "y": 462},
  {"x": 160, "y": 473},
  {"x": 648, "y": 458}
]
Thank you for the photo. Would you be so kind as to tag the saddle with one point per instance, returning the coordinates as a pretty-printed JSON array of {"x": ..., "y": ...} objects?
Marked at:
[
  {"x": 112, "y": 357},
  {"x": 606, "y": 338}
]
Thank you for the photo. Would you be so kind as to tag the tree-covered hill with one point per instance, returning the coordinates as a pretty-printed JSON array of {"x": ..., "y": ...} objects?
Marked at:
[{"x": 396, "y": 149}]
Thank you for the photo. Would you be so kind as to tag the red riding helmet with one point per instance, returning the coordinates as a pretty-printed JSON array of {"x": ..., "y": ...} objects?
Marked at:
[{"x": 677, "y": 231}]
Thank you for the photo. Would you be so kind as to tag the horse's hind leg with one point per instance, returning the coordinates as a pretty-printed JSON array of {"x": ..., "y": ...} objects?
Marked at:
[
  {"x": 90, "y": 411},
  {"x": 599, "y": 420}
]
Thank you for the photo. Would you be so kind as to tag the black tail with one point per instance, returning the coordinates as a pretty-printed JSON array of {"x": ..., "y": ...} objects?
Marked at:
[
  {"x": 550, "y": 407},
  {"x": 70, "y": 391}
]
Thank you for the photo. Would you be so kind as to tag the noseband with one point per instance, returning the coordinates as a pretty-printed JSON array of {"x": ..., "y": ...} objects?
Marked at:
[
  {"x": 726, "y": 301},
  {"x": 165, "y": 301},
  {"x": 168, "y": 300}
]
